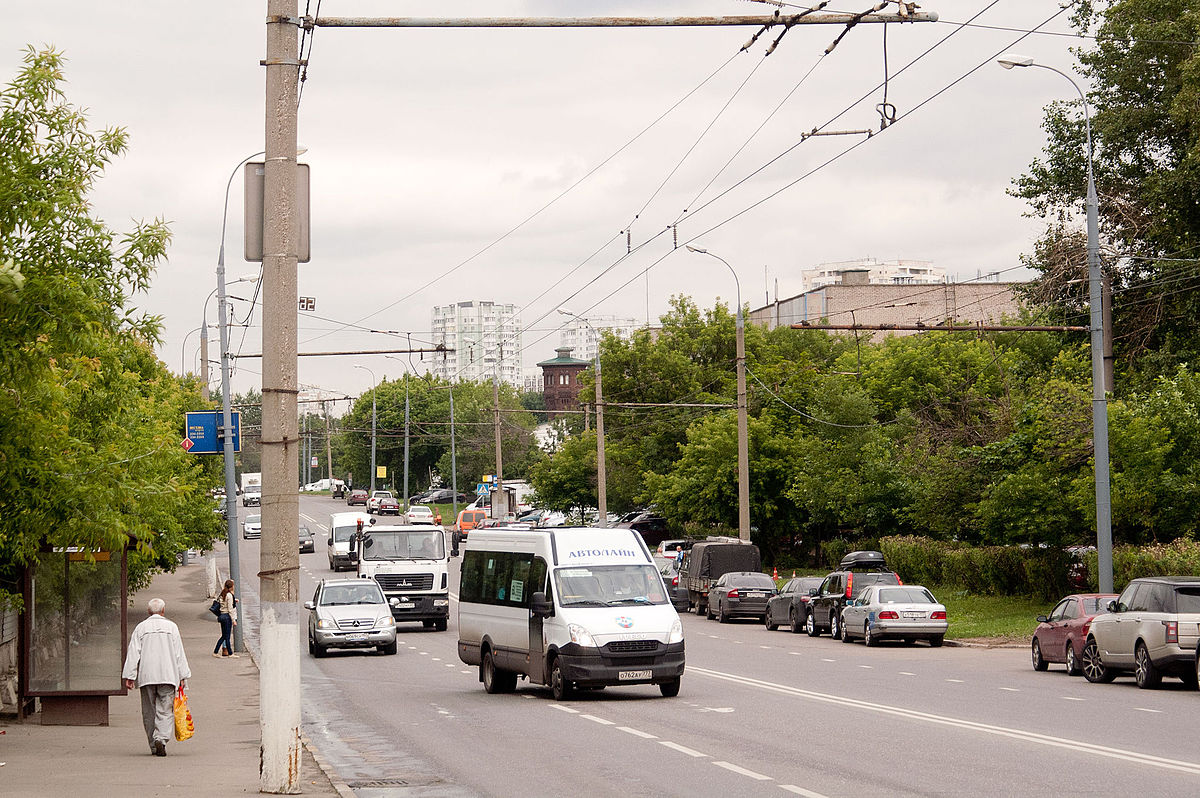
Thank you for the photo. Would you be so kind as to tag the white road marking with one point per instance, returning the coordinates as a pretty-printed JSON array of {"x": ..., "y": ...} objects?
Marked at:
[
  {"x": 795, "y": 653},
  {"x": 867, "y": 667},
  {"x": 525, "y": 695},
  {"x": 955, "y": 681},
  {"x": 601, "y": 721},
  {"x": 1143, "y": 709},
  {"x": 1010, "y": 689},
  {"x": 464, "y": 671},
  {"x": 792, "y": 788},
  {"x": 1072, "y": 698},
  {"x": 437, "y": 659},
  {"x": 681, "y": 749},
  {"x": 561, "y": 708},
  {"x": 412, "y": 648},
  {"x": 742, "y": 771},
  {"x": 823, "y": 659},
  {"x": 906, "y": 673},
  {"x": 423, "y": 653},
  {"x": 450, "y": 665},
  {"x": 944, "y": 720},
  {"x": 637, "y": 733}
]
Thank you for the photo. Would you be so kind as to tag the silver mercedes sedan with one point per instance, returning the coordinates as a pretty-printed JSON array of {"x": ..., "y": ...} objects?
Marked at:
[{"x": 894, "y": 612}]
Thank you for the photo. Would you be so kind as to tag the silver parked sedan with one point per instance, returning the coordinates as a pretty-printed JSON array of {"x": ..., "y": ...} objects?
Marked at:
[
  {"x": 350, "y": 613},
  {"x": 894, "y": 612}
]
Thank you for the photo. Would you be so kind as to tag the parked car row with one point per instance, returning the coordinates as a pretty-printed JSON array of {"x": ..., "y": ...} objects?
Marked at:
[{"x": 1150, "y": 631}]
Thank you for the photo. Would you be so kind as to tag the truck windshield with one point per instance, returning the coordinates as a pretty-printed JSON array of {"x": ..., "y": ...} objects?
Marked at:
[
  {"x": 404, "y": 546},
  {"x": 608, "y": 586}
]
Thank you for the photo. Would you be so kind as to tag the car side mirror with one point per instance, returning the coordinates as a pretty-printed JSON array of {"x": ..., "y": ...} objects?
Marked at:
[
  {"x": 812, "y": 591},
  {"x": 1043, "y": 619},
  {"x": 368, "y": 543},
  {"x": 1113, "y": 606},
  {"x": 308, "y": 605},
  {"x": 540, "y": 605},
  {"x": 330, "y": 541},
  {"x": 353, "y": 556}
]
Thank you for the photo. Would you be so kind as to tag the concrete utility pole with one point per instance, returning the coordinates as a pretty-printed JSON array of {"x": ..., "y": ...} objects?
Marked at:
[
  {"x": 328, "y": 447},
  {"x": 499, "y": 483},
  {"x": 204, "y": 360},
  {"x": 279, "y": 563},
  {"x": 743, "y": 436}
]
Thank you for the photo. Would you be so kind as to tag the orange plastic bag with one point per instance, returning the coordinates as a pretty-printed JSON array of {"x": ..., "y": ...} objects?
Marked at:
[{"x": 183, "y": 717}]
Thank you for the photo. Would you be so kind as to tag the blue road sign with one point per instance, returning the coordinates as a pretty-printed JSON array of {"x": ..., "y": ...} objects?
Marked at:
[
  {"x": 482, "y": 489},
  {"x": 203, "y": 431}
]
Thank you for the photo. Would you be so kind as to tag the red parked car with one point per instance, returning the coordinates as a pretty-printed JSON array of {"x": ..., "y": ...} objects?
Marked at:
[
  {"x": 356, "y": 497},
  {"x": 1060, "y": 637}
]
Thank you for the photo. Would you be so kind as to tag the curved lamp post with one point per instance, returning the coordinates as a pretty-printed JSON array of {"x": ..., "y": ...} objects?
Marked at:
[
  {"x": 743, "y": 433},
  {"x": 1095, "y": 299}
]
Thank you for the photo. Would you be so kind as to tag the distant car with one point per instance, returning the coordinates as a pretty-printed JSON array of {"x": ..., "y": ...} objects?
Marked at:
[
  {"x": 356, "y": 496},
  {"x": 676, "y": 590},
  {"x": 350, "y": 613},
  {"x": 376, "y": 496},
  {"x": 385, "y": 505},
  {"x": 1060, "y": 637},
  {"x": 468, "y": 519},
  {"x": 252, "y": 497},
  {"x": 422, "y": 497},
  {"x": 790, "y": 606},
  {"x": 740, "y": 594},
  {"x": 894, "y": 612},
  {"x": 447, "y": 496},
  {"x": 252, "y": 527},
  {"x": 857, "y": 570},
  {"x": 307, "y": 544},
  {"x": 419, "y": 514},
  {"x": 1152, "y": 630},
  {"x": 650, "y": 525}
]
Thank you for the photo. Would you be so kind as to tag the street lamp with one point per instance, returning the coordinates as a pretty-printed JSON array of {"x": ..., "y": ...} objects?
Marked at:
[
  {"x": 1095, "y": 288},
  {"x": 247, "y": 278},
  {"x": 373, "y": 383},
  {"x": 601, "y": 465},
  {"x": 743, "y": 432}
]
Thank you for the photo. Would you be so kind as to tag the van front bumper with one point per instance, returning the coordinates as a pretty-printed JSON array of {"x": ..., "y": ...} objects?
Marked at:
[{"x": 593, "y": 667}]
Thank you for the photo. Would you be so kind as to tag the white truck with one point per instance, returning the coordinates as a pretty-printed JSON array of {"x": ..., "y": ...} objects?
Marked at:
[
  {"x": 251, "y": 489},
  {"x": 411, "y": 563}
]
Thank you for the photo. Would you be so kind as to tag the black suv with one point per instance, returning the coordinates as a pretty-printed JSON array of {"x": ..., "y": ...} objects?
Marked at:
[{"x": 857, "y": 570}]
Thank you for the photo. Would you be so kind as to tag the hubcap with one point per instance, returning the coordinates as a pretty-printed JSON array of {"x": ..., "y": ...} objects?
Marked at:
[
  {"x": 1091, "y": 661},
  {"x": 1037, "y": 654}
]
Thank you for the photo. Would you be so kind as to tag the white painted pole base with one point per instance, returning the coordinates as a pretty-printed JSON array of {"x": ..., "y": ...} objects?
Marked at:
[{"x": 279, "y": 698}]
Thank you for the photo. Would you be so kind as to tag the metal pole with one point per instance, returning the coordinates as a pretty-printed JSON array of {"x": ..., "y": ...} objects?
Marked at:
[
  {"x": 373, "y": 385},
  {"x": 279, "y": 577},
  {"x": 499, "y": 484},
  {"x": 231, "y": 514},
  {"x": 204, "y": 360},
  {"x": 453, "y": 456},
  {"x": 1096, "y": 326},
  {"x": 743, "y": 442},
  {"x": 601, "y": 464},
  {"x": 406, "y": 441}
]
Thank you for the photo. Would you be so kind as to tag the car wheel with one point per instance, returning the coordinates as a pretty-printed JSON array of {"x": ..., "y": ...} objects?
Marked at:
[
  {"x": 844, "y": 632},
  {"x": 669, "y": 689},
  {"x": 496, "y": 680},
  {"x": 1192, "y": 678},
  {"x": 1039, "y": 662},
  {"x": 708, "y": 612},
  {"x": 936, "y": 642},
  {"x": 810, "y": 626},
  {"x": 771, "y": 627},
  {"x": 721, "y": 616},
  {"x": 311, "y": 648},
  {"x": 794, "y": 622},
  {"x": 835, "y": 625},
  {"x": 868, "y": 638},
  {"x": 1144, "y": 671},
  {"x": 440, "y": 625},
  {"x": 1094, "y": 669},
  {"x": 390, "y": 648},
  {"x": 1073, "y": 668},
  {"x": 560, "y": 688},
  {"x": 319, "y": 650}
]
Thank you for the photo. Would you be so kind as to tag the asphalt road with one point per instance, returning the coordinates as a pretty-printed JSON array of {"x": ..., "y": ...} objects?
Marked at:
[{"x": 759, "y": 713}]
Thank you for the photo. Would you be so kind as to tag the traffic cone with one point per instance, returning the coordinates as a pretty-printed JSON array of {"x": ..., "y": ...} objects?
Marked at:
[
  {"x": 793, "y": 574},
  {"x": 774, "y": 573}
]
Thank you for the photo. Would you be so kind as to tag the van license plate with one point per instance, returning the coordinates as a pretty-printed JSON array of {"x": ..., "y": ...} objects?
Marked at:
[
  {"x": 405, "y": 605},
  {"x": 630, "y": 676}
]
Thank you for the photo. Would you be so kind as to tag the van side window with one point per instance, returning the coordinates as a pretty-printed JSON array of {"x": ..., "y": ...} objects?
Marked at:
[{"x": 505, "y": 579}]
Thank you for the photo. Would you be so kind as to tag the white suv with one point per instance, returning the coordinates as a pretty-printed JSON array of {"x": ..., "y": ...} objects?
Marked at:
[{"x": 1151, "y": 629}]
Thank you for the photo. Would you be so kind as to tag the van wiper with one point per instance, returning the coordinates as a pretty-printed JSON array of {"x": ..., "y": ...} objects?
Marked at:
[
  {"x": 631, "y": 599},
  {"x": 585, "y": 603}
]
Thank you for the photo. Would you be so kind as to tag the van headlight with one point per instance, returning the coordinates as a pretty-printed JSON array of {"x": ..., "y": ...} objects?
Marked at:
[
  {"x": 676, "y": 635},
  {"x": 580, "y": 636},
  {"x": 386, "y": 621}
]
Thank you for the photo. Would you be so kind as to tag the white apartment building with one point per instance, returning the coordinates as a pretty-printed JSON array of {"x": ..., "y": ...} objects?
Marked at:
[
  {"x": 879, "y": 272},
  {"x": 486, "y": 337},
  {"x": 582, "y": 340}
]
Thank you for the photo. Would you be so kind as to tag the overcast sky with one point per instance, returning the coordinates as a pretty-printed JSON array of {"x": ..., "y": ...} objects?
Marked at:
[{"x": 427, "y": 146}]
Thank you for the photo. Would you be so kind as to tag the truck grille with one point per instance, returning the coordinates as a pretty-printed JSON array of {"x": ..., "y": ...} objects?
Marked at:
[
  {"x": 394, "y": 582},
  {"x": 630, "y": 646}
]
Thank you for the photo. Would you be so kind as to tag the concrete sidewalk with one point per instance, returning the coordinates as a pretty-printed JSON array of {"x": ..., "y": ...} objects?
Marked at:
[{"x": 100, "y": 761}]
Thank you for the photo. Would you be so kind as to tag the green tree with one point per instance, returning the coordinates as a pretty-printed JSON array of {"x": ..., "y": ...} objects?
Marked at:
[{"x": 90, "y": 420}]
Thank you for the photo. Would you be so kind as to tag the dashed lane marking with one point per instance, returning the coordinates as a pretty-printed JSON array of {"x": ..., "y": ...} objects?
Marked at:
[
  {"x": 1010, "y": 689},
  {"x": 867, "y": 667},
  {"x": 601, "y": 721},
  {"x": 824, "y": 659},
  {"x": 1143, "y": 709},
  {"x": 682, "y": 749},
  {"x": 792, "y": 788},
  {"x": 637, "y": 733},
  {"x": 955, "y": 681},
  {"x": 561, "y": 708},
  {"x": 906, "y": 673},
  {"x": 742, "y": 771},
  {"x": 1072, "y": 698}
]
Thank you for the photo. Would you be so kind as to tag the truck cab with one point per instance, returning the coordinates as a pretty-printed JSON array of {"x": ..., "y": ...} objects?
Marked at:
[{"x": 411, "y": 563}]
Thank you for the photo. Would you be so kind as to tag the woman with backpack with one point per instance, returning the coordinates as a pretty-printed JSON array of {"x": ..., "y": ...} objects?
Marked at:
[{"x": 227, "y": 602}]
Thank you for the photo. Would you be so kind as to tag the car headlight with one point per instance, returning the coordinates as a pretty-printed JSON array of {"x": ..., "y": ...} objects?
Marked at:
[
  {"x": 440, "y": 602},
  {"x": 676, "y": 635},
  {"x": 580, "y": 636},
  {"x": 386, "y": 621},
  {"x": 325, "y": 623}
]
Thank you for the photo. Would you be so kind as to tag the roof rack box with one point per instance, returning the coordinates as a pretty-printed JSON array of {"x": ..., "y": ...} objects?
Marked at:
[{"x": 862, "y": 560}]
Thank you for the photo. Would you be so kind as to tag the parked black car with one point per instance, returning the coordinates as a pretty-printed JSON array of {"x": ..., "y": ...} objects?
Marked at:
[
  {"x": 651, "y": 526},
  {"x": 741, "y": 594},
  {"x": 789, "y": 607},
  {"x": 857, "y": 570}
]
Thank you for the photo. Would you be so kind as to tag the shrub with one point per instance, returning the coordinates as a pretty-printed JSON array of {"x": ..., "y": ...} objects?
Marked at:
[{"x": 1180, "y": 558}]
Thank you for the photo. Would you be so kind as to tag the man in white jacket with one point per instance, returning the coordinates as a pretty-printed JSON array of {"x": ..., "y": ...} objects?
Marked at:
[{"x": 156, "y": 663}]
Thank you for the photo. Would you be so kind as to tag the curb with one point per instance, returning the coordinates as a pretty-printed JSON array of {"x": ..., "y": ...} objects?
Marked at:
[{"x": 343, "y": 789}]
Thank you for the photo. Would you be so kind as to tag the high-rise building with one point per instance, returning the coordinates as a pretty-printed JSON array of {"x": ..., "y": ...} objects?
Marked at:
[
  {"x": 579, "y": 338},
  {"x": 485, "y": 337}
]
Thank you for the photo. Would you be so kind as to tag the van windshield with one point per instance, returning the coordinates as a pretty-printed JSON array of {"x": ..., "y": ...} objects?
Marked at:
[
  {"x": 608, "y": 586},
  {"x": 341, "y": 534},
  {"x": 404, "y": 546}
]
